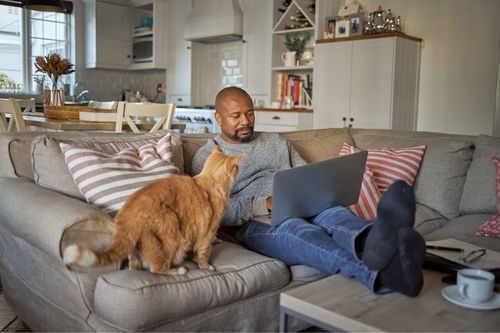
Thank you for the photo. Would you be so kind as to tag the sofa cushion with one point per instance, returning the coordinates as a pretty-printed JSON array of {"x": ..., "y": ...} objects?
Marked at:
[
  {"x": 479, "y": 189},
  {"x": 138, "y": 300},
  {"x": 15, "y": 154},
  {"x": 369, "y": 194},
  {"x": 441, "y": 177},
  {"x": 427, "y": 220},
  {"x": 51, "y": 170},
  {"x": 318, "y": 145},
  {"x": 107, "y": 180},
  {"x": 190, "y": 145},
  {"x": 464, "y": 228}
]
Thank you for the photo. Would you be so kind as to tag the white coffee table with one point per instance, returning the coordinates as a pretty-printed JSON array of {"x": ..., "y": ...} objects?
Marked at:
[{"x": 336, "y": 303}]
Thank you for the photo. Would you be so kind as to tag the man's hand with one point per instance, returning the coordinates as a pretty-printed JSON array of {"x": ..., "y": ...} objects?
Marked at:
[{"x": 269, "y": 203}]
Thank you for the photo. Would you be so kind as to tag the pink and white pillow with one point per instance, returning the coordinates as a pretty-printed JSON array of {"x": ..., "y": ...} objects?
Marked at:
[
  {"x": 491, "y": 227},
  {"x": 384, "y": 166},
  {"x": 369, "y": 195},
  {"x": 107, "y": 180}
]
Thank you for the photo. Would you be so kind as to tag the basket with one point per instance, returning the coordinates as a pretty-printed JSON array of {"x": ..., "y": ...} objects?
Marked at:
[{"x": 69, "y": 112}]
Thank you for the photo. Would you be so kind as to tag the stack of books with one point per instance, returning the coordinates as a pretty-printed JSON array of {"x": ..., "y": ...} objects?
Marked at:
[{"x": 299, "y": 87}]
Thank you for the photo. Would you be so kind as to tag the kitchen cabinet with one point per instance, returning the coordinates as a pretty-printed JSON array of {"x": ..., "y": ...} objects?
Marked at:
[
  {"x": 179, "y": 54},
  {"x": 110, "y": 34},
  {"x": 368, "y": 81},
  {"x": 271, "y": 120},
  {"x": 158, "y": 10},
  {"x": 107, "y": 35}
]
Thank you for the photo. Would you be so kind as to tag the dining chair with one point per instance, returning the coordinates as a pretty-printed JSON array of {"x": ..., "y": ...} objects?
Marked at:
[
  {"x": 11, "y": 106},
  {"x": 112, "y": 105},
  {"x": 161, "y": 113},
  {"x": 27, "y": 105}
]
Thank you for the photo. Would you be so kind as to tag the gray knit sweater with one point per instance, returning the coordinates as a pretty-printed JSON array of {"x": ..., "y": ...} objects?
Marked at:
[{"x": 264, "y": 155}]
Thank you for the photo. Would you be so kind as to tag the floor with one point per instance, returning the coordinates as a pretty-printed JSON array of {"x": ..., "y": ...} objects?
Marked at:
[{"x": 9, "y": 320}]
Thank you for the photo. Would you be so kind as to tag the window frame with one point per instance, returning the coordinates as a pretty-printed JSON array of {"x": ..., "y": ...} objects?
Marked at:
[{"x": 26, "y": 50}]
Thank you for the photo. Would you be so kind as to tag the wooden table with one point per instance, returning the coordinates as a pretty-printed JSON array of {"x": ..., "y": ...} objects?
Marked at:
[
  {"x": 336, "y": 303},
  {"x": 33, "y": 119}
]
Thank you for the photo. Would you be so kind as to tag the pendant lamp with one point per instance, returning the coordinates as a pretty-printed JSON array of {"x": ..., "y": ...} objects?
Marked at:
[{"x": 46, "y": 5}]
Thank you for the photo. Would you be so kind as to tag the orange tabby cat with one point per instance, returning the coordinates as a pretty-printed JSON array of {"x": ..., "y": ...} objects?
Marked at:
[{"x": 167, "y": 219}]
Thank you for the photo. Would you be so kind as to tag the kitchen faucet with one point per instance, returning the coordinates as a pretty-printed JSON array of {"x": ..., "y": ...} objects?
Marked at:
[{"x": 81, "y": 94}]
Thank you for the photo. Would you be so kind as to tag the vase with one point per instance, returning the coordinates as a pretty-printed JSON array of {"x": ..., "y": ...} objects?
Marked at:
[{"x": 53, "y": 97}]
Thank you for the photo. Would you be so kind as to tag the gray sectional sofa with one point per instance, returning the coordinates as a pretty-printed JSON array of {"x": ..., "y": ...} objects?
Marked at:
[{"x": 41, "y": 211}]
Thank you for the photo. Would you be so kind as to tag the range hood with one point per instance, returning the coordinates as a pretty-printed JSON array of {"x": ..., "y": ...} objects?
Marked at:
[{"x": 214, "y": 21}]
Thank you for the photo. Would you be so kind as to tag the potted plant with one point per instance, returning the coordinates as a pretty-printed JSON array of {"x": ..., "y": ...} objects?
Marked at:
[
  {"x": 295, "y": 44},
  {"x": 53, "y": 66}
]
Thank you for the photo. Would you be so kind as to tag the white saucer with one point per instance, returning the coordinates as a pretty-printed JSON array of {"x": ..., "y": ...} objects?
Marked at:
[{"x": 451, "y": 294}]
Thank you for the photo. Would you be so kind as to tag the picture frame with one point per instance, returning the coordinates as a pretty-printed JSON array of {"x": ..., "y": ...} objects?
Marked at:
[
  {"x": 330, "y": 23},
  {"x": 355, "y": 25},
  {"x": 342, "y": 27}
]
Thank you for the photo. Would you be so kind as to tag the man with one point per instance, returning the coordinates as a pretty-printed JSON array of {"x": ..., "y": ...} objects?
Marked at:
[{"x": 386, "y": 255}]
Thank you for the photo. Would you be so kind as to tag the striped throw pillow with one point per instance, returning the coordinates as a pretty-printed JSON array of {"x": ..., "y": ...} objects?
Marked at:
[
  {"x": 108, "y": 179},
  {"x": 369, "y": 195},
  {"x": 391, "y": 164}
]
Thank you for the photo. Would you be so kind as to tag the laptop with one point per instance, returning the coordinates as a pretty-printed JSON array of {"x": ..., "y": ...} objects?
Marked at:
[{"x": 308, "y": 190}]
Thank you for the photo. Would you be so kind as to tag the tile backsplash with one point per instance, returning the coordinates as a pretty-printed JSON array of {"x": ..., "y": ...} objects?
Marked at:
[
  {"x": 215, "y": 66},
  {"x": 107, "y": 84}
]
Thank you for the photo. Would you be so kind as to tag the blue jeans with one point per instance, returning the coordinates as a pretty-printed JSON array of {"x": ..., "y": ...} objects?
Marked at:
[{"x": 325, "y": 242}]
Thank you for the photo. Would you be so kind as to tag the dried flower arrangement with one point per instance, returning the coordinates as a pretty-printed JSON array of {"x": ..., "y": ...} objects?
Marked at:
[{"x": 53, "y": 66}]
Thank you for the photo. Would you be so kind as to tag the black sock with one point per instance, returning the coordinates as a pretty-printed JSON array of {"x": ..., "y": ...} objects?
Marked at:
[
  {"x": 404, "y": 272},
  {"x": 395, "y": 210}
]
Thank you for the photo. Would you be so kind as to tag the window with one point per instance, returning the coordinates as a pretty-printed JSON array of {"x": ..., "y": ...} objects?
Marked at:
[{"x": 24, "y": 35}]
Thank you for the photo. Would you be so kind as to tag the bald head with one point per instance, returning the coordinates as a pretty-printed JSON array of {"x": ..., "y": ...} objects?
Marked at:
[
  {"x": 228, "y": 93},
  {"x": 234, "y": 115}
]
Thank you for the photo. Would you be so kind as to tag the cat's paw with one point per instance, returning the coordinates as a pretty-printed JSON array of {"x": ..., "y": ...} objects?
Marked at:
[
  {"x": 181, "y": 270},
  {"x": 211, "y": 268}
]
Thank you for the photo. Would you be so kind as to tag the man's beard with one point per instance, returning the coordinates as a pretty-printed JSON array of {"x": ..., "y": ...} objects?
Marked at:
[{"x": 235, "y": 136}]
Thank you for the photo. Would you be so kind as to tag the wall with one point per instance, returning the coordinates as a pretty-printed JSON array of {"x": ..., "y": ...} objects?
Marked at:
[{"x": 460, "y": 58}]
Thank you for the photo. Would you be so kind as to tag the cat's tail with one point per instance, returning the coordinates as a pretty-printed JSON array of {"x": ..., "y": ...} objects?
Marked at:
[{"x": 119, "y": 249}]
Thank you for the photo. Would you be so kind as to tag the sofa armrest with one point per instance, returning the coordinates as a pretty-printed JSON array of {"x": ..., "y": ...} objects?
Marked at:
[{"x": 50, "y": 220}]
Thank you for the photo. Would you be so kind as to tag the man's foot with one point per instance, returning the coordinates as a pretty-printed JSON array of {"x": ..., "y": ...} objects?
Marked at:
[
  {"x": 395, "y": 210},
  {"x": 404, "y": 272}
]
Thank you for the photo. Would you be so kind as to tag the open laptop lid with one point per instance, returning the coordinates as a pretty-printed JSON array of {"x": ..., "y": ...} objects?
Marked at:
[{"x": 308, "y": 190}]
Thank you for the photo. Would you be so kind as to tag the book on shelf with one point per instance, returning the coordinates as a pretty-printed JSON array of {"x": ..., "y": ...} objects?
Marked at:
[{"x": 299, "y": 87}]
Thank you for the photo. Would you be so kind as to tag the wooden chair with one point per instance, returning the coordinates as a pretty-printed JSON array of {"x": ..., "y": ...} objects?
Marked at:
[
  {"x": 27, "y": 105},
  {"x": 112, "y": 105},
  {"x": 162, "y": 114},
  {"x": 11, "y": 106}
]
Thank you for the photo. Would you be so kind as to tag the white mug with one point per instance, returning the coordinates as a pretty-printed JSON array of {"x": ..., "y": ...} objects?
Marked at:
[
  {"x": 288, "y": 58},
  {"x": 475, "y": 285}
]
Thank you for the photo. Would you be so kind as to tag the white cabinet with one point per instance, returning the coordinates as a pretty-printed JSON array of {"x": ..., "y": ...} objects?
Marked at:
[
  {"x": 107, "y": 35},
  {"x": 179, "y": 54},
  {"x": 282, "y": 121},
  {"x": 158, "y": 33},
  {"x": 368, "y": 82}
]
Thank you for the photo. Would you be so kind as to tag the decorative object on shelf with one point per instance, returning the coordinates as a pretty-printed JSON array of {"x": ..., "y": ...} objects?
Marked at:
[
  {"x": 307, "y": 58},
  {"x": 299, "y": 21},
  {"x": 351, "y": 7},
  {"x": 382, "y": 21},
  {"x": 296, "y": 44},
  {"x": 330, "y": 23},
  {"x": 355, "y": 24},
  {"x": 289, "y": 58},
  {"x": 285, "y": 4},
  {"x": 342, "y": 27},
  {"x": 311, "y": 8},
  {"x": 53, "y": 66}
]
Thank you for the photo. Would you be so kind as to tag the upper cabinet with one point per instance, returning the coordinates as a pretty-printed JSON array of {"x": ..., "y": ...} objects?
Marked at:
[
  {"x": 126, "y": 37},
  {"x": 369, "y": 81},
  {"x": 301, "y": 22}
]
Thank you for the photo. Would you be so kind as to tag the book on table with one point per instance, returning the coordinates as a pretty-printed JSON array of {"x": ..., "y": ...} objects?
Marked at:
[{"x": 468, "y": 256}]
